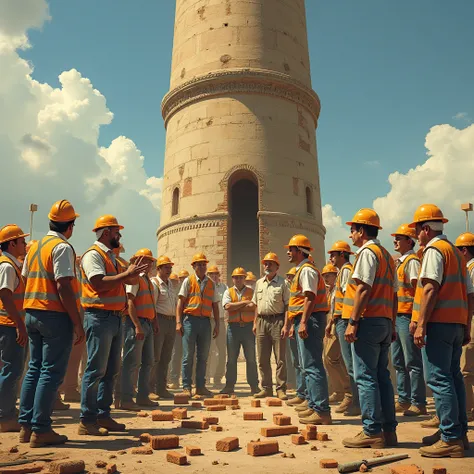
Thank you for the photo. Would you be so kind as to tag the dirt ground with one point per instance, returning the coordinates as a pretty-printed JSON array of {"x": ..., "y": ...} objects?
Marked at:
[{"x": 117, "y": 448}]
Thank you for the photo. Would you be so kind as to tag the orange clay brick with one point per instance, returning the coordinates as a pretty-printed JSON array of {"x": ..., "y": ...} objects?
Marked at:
[
  {"x": 298, "y": 439},
  {"x": 282, "y": 420},
  {"x": 164, "y": 442},
  {"x": 142, "y": 450},
  {"x": 193, "y": 450},
  {"x": 312, "y": 428},
  {"x": 255, "y": 403},
  {"x": 233, "y": 407},
  {"x": 322, "y": 437},
  {"x": 227, "y": 444},
  {"x": 197, "y": 425},
  {"x": 439, "y": 470},
  {"x": 406, "y": 469},
  {"x": 176, "y": 458},
  {"x": 145, "y": 437},
  {"x": 230, "y": 402},
  {"x": 181, "y": 399},
  {"x": 328, "y": 464},
  {"x": 67, "y": 467},
  {"x": 274, "y": 402},
  {"x": 179, "y": 413},
  {"x": 216, "y": 408},
  {"x": 211, "y": 420},
  {"x": 221, "y": 396},
  {"x": 142, "y": 414},
  {"x": 278, "y": 431},
  {"x": 111, "y": 468},
  {"x": 262, "y": 448},
  {"x": 208, "y": 402},
  {"x": 158, "y": 415},
  {"x": 217, "y": 428},
  {"x": 309, "y": 435},
  {"x": 253, "y": 416},
  {"x": 196, "y": 404}
]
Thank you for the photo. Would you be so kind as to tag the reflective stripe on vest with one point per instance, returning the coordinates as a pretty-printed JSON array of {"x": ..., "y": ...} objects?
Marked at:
[
  {"x": 242, "y": 315},
  {"x": 197, "y": 303},
  {"x": 380, "y": 303},
  {"x": 41, "y": 289},
  {"x": 17, "y": 295},
  {"x": 406, "y": 292},
  {"x": 339, "y": 297},
  {"x": 144, "y": 300},
  {"x": 451, "y": 304},
  {"x": 113, "y": 299}
]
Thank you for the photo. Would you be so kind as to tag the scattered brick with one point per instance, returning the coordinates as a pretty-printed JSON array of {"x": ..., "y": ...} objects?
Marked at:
[
  {"x": 314, "y": 448},
  {"x": 197, "y": 425},
  {"x": 193, "y": 450},
  {"x": 217, "y": 428},
  {"x": 212, "y": 401},
  {"x": 159, "y": 415},
  {"x": 233, "y": 396},
  {"x": 253, "y": 416},
  {"x": 309, "y": 435},
  {"x": 274, "y": 402},
  {"x": 179, "y": 413},
  {"x": 216, "y": 408},
  {"x": 100, "y": 464},
  {"x": 262, "y": 448},
  {"x": 176, "y": 458},
  {"x": 122, "y": 452},
  {"x": 145, "y": 437},
  {"x": 211, "y": 420},
  {"x": 230, "y": 402},
  {"x": 328, "y": 463},
  {"x": 111, "y": 468},
  {"x": 142, "y": 414},
  {"x": 142, "y": 450},
  {"x": 164, "y": 442},
  {"x": 439, "y": 470},
  {"x": 278, "y": 431},
  {"x": 281, "y": 420},
  {"x": 13, "y": 449},
  {"x": 221, "y": 396},
  {"x": 406, "y": 469},
  {"x": 23, "y": 469},
  {"x": 255, "y": 403},
  {"x": 67, "y": 467},
  {"x": 298, "y": 439},
  {"x": 363, "y": 468},
  {"x": 322, "y": 437},
  {"x": 181, "y": 399},
  {"x": 112, "y": 456},
  {"x": 196, "y": 404},
  {"x": 227, "y": 444}
]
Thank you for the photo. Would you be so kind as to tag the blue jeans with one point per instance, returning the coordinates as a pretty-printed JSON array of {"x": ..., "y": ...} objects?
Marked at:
[
  {"x": 104, "y": 347},
  {"x": 442, "y": 359},
  {"x": 311, "y": 360},
  {"x": 300, "y": 379},
  {"x": 408, "y": 363},
  {"x": 196, "y": 339},
  {"x": 12, "y": 356},
  {"x": 370, "y": 356},
  {"x": 137, "y": 355},
  {"x": 346, "y": 350},
  {"x": 50, "y": 336},
  {"x": 237, "y": 337}
]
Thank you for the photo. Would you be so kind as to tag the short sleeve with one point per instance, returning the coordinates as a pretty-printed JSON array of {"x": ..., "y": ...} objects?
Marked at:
[
  {"x": 286, "y": 293},
  {"x": 184, "y": 290},
  {"x": 308, "y": 280},
  {"x": 366, "y": 267},
  {"x": 344, "y": 279},
  {"x": 413, "y": 269},
  {"x": 470, "y": 281},
  {"x": 64, "y": 265},
  {"x": 226, "y": 299},
  {"x": 432, "y": 267},
  {"x": 8, "y": 277},
  {"x": 132, "y": 289},
  {"x": 93, "y": 264}
]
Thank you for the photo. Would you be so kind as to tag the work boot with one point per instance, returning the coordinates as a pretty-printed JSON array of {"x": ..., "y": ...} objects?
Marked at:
[
  {"x": 155, "y": 397},
  {"x": 91, "y": 429},
  {"x": 470, "y": 416},
  {"x": 146, "y": 402},
  {"x": 402, "y": 407},
  {"x": 10, "y": 426},
  {"x": 187, "y": 392},
  {"x": 317, "y": 419},
  {"x": 254, "y": 390},
  {"x": 25, "y": 434},
  {"x": 110, "y": 424},
  {"x": 50, "y": 438},
  {"x": 129, "y": 406},
  {"x": 204, "y": 392},
  {"x": 443, "y": 449},
  {"x": 164, "y": 394},
  {"x": 363, "y": 440},
  {"x": 264, "y": 393},
  {"x": 336, "y": 398},
  {"x": 72, "y": 397},
  {"x": 434, "y": 438},
  {"x": 344, "y": 405},
  {"x": 302, "y": 406},
  {"x": 173, "y": 386},
  {"x": 227, "y": 391},
  {"x": 59, "y": 405},
  {"x": 292, "y": 402},
  {"x": 416, "y": 410},
  {"x": 432, "y": 423},
  {"x": 390, "y": 438},
  {"x": 281, "y": 394},
  {"x": 353, "y": 410},
  {"x": 306, "y": 413}
]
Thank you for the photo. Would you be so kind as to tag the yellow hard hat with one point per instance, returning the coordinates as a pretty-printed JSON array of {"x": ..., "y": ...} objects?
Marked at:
[
  {"x": 239, "y": 271},
  {"x": 173, "y": 276},
  {"x": 143, "y": 253},
  {"x": 199, "y": 257},
  {"x": 465, "y": 240},
  {"x": 405, "y": 230},
  {"x": 62, "y": 211},
  {"x": 271, "y": 257},
  {"x": 340, "y": 246},
  {"x": 329, "y": 268},
  {"x": 106, "y": 221},
  {"x": 163, "y": 260},
  {"x": 427, "y": 213},
  {"x": 213, "y": 269},
  {"x": 11, "y": 232},
  {"x": 250, "y": 277},
  {"x": 299, "y": 240},
  {"x": 291, "y": 271},
  {"x": 183, "y": 274},
  {"x": 367, "y": 217}
]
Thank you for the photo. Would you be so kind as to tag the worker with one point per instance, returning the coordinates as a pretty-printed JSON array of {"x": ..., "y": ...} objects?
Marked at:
[
  {"x": 183, "y": 274},
  {"x": 339, "y": 256},
  {"x": 237, "y": 301},
  {"x": 307, "y": 312},
  {"x": 198, "y": 301},
  {"x": 174, "y": 280},
  {"x": 13, "y": 335},
  {"x": 333, "y": 361},
  {"x": 52, "y": 318},
  {"x": 251, "y": 280},
  {"x": 104, "y": 299},
  {"x": 370, "y": 304},
  {"x": 441, "y": 323},
  {"x": 290, "y": 368},
  {"x": 217, "y": 358},
  {"x": 465, "y": 243},
  {"x": 165, "y": 303},
  {"x": 406, "y": 357}
]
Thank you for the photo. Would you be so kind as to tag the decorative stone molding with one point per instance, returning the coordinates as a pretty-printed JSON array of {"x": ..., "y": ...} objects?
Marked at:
[
  {"x": 216, "y": 219},
  {"x": 282, "y": 219},
  {"x": 240, "y": 81}
]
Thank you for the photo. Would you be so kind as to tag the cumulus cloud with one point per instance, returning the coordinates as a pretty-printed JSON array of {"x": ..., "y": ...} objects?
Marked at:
[
  {"x": 49, "y": 145},
  {"x": 335, "y": 228}
]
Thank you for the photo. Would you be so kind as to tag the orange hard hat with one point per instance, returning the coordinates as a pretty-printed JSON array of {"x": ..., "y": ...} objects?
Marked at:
[
  {"x": 340, "y": 246},
  {"x": 143, "y": 253},
  {"x": 11, "y": 232},
  {"x": 291, "y": 271},
  {"x": 199, "y": 257},
  {"x": 427, "y": 213},
  {"x": 251, "y": 277},
  {"x": 329, "y": 268},
  {"x": 183, "y": 274},
  {"x": 465, "y": 240},
  {"x": 271, "y": 257},
  {"x": 239, "y": 272},
  {"x": 299, "y": 240},
  {"x": 173, "y": 276},
  {"x": 405, "y": 230},
  {"x": 106, "y": 221},
  {"x": 163, "y": 260},
  {"x": 367, "y": 217},
  {"x": 62, "y": 211},
  {"x": 213, "y": 269}
]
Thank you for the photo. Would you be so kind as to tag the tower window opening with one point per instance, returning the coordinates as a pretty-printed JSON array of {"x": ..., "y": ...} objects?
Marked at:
[
  {"x": 175, "y": 203},
  {"x": 309, "y": 200}
]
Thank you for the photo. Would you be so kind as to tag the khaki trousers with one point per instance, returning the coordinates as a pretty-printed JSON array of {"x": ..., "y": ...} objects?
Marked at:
[
  {"x": 71, "y": 380},
  {"x": 335, "y": 367},
  {"x": 467, "y": 369}
]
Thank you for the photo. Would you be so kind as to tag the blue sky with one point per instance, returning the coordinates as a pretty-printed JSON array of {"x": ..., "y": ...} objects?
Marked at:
[{"x": 386, "y": 72}]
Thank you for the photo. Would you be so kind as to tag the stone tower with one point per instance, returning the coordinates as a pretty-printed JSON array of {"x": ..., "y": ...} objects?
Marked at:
[{"x": 241, "y": 170}]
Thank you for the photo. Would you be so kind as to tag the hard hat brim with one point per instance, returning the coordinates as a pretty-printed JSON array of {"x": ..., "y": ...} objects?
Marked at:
[
  {"x": 136, "y": 257},
  {"x": 413, "y": 224},
  {"x": 288, "y": 246},
  {"x": 364, "y": 223},
  {"x": 270, "y": 260},
  {"x": 51, "y": 218},
  {"x": 201, "y": 260},
  {"x": 95, "y": 229},
  {"x": 14, "y": 238},
  {"x": 350, "y": 252}
]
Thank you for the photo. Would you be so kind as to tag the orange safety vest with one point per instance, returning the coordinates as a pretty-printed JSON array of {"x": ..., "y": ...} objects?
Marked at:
[
  {"x": 18, "y": 294},
  {"x": 197, "y": 303},
  {"x": 339, "y": 297},
  {"x": 380, "y": 304},
  {"x": 114, "y": 299},
  {"x": 451, "y": 305},
  {"x": 41, "y": 291},
  {"x": 144, "y": 300},
  {"x": 296, "y": 304},
  {"x": 406, "y": 292},
  {"x": 242, "y": 316}
]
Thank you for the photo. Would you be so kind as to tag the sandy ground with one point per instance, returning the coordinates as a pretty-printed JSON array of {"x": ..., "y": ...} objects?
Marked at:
[{"x": 110, "y": 449}]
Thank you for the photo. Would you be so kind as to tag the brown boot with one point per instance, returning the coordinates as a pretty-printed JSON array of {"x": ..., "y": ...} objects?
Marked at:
[
  {"x": 434, "y": 438},
  {"x": 443, "y": 449},
  {"x": 402, "y": 407},
  {"x": 164, "y": 394},
  {"x": 91, "y": 429},
  {"x": 50, "y": 438},
  {"x": 416, "y": 410},
  {"x": 25, "y": 434},
  {"x": 155, "y": 397},
  {"x": 390, "y": 438},
  {"x": 344, "y": 405},
  {"x": 187, "y": 392},
  {"x": 204, "y": 392},
  {"x": 281, "y": 394},
  {"x": 432, "y": 423},
  {"x": 302, "y": 406},
  {"x": 110, "y": 424},
  {"x": 129, "y": 406},
  {"x": 292, "y": 402},
  {"x": 173, "y": 386},
  {"x": 336, "y": 397},
  {"x": 306, "y": 413},
  {"x": 264, "y": 393},
  {"x": 363, "y": 440},
  {"x": 10, "y": 426},
  {"x": 317, "y": 419}
]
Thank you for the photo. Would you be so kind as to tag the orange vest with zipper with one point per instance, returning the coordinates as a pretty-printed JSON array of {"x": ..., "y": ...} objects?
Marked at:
[
  {"x": 339, "y": 297},
  {"x": 144, "y": 300},
  {"x": 406, "y": 292},
  {"x": 18, "y": 294},
  {"x": 197, "y": 303},
  {"x": 242, "y": 316}
]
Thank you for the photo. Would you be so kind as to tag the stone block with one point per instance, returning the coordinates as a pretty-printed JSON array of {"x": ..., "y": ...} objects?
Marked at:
[
  {"x": 253, "y": 416},
  {"x": 176, "y": 458},
  {"x": 272, "y": 431},
  {"x": 164, "y": 442},
  {"x": 262, "y": 448},
  {"x": 227, "y": 444},
  {"x": 328, "y": 464}
]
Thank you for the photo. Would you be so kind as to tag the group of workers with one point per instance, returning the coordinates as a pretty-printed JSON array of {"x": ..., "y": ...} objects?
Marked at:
[{"x": 136, "y": 322}]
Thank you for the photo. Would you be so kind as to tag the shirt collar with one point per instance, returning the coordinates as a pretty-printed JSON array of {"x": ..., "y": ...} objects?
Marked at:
[
  {"x": 240, "y": 291},
  {"x": 57, "y": 234},
  {"x": 435, "y": 239},
  {"x": 162, "y": 282},
  {"x": 203, "y": 280},
  {"x": 470, "y": 262},
  {"x": 103, "y": 247},
  {"x": 302, "y": 263},
  {"x": 370, "y": 242},
  {"x": 275, "y": 279},
  {"x": 405, "y": 255},
  {"x": 14, "y": 259}
]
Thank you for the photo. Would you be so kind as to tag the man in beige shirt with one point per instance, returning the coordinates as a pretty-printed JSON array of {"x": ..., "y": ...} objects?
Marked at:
[{"x": 271, "y": 297}]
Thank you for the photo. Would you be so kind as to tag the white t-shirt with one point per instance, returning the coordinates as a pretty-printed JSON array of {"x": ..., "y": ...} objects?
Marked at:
[
  {"x": 184, "y": 290},
  {"x": 308, "y": 278},
  {"x": 344, "y": 279},
  {"x": 8, "y": 276},
  {"x": 92, "y": 262},
  {"x": 470, "y": 278},
  {"x": 412, "y": 269}
]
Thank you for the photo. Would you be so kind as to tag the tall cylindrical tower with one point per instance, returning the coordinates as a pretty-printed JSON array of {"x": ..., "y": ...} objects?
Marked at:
[{"x": 241, "y": 170}]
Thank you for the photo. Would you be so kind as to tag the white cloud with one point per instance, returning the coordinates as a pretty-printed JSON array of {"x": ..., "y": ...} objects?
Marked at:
[
  {"x": 49, "y": 145},
  {"x": 335, "y": 228}
]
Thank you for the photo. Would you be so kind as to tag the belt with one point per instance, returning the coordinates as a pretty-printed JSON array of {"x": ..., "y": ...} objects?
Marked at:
[
  {"x": 165, "y": 316},
  {"x": 272, "y": 315},
  {"x": 242, "y": 324}
]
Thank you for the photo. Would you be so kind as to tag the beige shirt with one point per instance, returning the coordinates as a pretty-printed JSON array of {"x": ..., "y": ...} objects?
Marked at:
[
  {"x": 271, "y": 297},
  {"x": 165, "y": 296}
]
